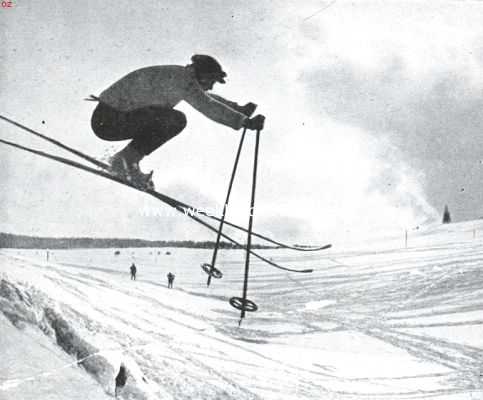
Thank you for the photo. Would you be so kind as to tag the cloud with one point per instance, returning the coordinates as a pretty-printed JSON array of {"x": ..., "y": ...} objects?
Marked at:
[{"x": 434, "y": 120}]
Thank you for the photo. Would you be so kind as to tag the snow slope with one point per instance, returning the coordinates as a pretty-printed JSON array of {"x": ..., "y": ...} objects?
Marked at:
[{"x": 376, "y": 321}]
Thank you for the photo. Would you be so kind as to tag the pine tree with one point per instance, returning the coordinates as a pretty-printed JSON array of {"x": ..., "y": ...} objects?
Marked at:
[{"x": 446, "y": 215}]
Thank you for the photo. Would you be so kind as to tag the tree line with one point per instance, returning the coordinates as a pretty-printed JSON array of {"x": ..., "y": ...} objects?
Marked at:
[{"x": 12, "y": 241}]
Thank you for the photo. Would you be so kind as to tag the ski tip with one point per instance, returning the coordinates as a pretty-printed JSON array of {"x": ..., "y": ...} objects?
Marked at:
[
  {"x": 325, "y": 247},
  {"x": 307, "y": 271},
  {"x": 310, "y": 248}
]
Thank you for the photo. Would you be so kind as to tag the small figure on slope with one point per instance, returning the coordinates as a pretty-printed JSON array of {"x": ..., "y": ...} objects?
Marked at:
[
  {"x": 170, "y": 279},
  {"x": 133, "y": 272}
]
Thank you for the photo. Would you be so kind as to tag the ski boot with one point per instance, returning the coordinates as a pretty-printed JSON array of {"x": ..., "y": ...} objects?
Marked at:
[
  {"x": 140, "y": 180},
  {"x": 125, "y": 168}
]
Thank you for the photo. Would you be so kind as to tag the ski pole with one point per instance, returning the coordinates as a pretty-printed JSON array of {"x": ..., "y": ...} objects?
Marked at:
[
  {"x": 245, "y": 302},
  {"x": 222, "y": 220}
]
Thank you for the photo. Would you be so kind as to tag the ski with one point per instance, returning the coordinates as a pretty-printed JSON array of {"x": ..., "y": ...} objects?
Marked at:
[
  {"x": 163, "y": 198},
  {"x": 188, "y": 208}
]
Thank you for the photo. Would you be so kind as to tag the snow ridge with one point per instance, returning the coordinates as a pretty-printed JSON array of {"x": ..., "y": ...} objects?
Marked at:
[{"x": 20, "y": 308}]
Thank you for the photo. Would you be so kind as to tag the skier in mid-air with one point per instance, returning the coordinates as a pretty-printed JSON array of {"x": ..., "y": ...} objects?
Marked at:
[{"x": 139, "y": 107}]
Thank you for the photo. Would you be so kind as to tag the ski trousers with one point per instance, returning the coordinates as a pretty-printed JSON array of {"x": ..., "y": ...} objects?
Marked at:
[{"x": 148, "y": 127}]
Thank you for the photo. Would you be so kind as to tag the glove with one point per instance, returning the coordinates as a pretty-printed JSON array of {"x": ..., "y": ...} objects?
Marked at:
[
  {"x": 248, "y": 109},
  {"x": 255, "y": 123}
]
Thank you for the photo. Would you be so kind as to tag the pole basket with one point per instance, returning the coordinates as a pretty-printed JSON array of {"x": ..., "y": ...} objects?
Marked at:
[
  {"x": 212, "y": 271},
  {"x": 243, "y": 304}
]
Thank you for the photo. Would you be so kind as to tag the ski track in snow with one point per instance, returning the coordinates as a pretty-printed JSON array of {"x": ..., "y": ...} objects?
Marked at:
[{"x": 416, "y": 310}]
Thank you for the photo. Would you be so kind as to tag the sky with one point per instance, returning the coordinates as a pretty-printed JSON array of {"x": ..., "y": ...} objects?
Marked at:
[{"x": 372, "y": 111}]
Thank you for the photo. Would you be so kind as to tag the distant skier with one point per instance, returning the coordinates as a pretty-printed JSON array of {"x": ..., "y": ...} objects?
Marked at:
[
  {"x": 170, "y": 279},
  {"x": 121, "y": 379},
  {"x": 133, "y": 272},
  {"x": 139, "y": 106}
]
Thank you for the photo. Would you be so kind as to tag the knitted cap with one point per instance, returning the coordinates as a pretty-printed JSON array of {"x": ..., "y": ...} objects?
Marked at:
[{"x": 208, "y": 65}]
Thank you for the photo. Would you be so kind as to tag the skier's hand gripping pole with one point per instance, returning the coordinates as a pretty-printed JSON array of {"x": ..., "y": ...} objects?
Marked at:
[
  {"x": 248, "y": 109},
  {"x": 256, "y": 123}
]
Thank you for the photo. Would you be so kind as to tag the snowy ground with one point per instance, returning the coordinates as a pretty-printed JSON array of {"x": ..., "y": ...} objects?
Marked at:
[{"x": 377, "y": 321}]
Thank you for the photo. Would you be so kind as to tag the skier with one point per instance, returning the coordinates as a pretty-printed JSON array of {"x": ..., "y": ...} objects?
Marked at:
[
  {"x": 133, "y": 272},
  {"x": 170, "y": 280},
  {"x": 139, "y": 107}
]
